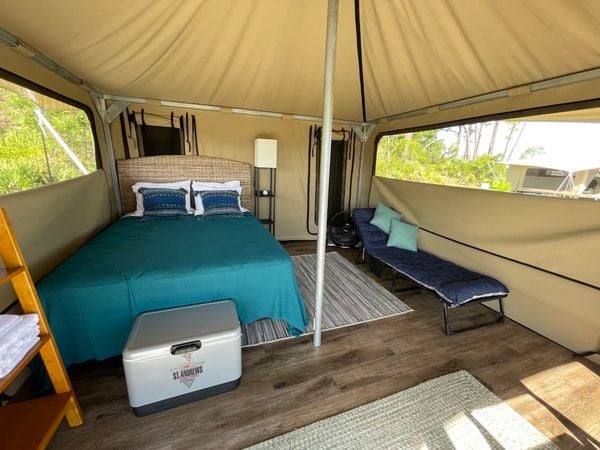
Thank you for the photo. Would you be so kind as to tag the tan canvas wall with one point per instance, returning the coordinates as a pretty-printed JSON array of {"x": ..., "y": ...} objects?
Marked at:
[
  {"x": 232, "y": 136},
  {"x": 424, "y": 53},
  {"x": 52, "y": 221},
  {"x": 268, "y": 54},
  {"x": 265, "y": 55},
  {"x": 559, "y": 235}
]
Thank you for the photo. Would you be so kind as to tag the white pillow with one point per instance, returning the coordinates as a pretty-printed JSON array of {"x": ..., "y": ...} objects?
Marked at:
[
  {"x": 212, "y": 184},
  {"x": 197, "y": 186},
  {"x": 139, "y": 199}
]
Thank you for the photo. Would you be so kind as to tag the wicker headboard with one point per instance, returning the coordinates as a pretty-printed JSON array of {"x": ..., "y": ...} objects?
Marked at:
[{"x": 178, "y": 167}]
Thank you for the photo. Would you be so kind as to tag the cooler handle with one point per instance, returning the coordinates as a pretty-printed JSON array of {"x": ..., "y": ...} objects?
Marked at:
[{"x": 186, "y": 347}]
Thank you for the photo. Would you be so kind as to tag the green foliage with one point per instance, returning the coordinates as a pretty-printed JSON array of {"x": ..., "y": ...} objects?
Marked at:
[
  {"x": 29, "y": 157},
  {"x": 426, "y": 158},
  {"x": 532, "y": 151}
]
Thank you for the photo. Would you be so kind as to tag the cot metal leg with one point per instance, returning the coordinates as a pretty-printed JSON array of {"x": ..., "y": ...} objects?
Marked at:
[
  {"x": 448, "y": 329},
  {"x": 393, "y": 289},
  {"x": 360, "y": 256}
]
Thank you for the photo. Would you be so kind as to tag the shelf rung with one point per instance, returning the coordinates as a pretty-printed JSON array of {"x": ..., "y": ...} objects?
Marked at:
[
  {"x": 5, "y": 382},
  {"x": 9, "y": 273},
  {"x": 31, "y": 424}
]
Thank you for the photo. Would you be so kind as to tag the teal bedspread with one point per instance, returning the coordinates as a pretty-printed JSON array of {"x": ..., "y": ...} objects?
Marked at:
[{"x": 136, "y": 265}]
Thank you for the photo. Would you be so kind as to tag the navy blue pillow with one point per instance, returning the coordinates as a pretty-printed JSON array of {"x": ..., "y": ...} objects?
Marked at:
[
  {"x": 220, "y": 203},
  {"x": 164, "y": 202}
]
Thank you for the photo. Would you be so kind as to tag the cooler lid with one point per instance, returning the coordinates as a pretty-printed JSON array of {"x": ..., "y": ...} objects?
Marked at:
[{"x": 154, "y": 332}]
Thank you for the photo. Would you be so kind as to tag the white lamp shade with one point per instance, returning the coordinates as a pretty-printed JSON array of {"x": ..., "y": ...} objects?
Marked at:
[{"x": 265, "y": 153}]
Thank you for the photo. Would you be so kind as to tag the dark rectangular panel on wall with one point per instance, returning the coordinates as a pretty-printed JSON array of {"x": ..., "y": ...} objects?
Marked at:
[
  {"x": 155, "y": 141},
  {"x": 336, "y": 179}
]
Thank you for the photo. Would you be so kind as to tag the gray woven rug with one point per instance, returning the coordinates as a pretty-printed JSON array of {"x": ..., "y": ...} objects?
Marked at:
[
  {"x": 453, "y": 411},
  {"x": 349, "y": 297}
]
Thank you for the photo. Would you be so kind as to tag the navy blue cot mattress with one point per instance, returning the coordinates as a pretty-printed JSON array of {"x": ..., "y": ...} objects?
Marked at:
[{"x": 454, "y": 284}]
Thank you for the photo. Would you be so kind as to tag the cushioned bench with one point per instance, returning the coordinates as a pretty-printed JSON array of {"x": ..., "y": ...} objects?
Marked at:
[{"x": 452, "y": 284}]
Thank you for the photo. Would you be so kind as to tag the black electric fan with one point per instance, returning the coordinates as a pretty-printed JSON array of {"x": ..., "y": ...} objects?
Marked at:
[{"x": 341, "y": 230}]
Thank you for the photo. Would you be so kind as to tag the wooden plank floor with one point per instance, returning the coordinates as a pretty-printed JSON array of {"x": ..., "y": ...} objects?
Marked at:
[{"x": 289, "y": 384}]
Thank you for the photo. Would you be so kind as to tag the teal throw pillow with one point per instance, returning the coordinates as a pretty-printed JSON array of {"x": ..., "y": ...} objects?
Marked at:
[
  {"x": 383, "y": 217},
  {"x": 403, "y": 235}
]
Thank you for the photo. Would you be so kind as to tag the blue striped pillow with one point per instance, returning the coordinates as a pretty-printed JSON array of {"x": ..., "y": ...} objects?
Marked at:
[
  {"x": 163, "y": 202},
  {"x": 220, "y": 203}
]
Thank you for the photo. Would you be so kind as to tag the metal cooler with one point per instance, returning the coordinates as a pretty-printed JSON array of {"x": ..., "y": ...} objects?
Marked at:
[{"x": 178, "y": 355}]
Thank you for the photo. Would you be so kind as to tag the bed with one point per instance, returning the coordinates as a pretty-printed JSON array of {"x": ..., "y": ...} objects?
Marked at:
[{"x": 138, "y": 265}]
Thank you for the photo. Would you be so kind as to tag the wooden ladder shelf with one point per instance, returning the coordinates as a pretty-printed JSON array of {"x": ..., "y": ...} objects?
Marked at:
[{"x": 31, "y": 424}]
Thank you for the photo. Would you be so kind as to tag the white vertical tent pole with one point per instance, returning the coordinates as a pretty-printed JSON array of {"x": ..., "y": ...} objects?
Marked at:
[{"x": 332, "y": 19}]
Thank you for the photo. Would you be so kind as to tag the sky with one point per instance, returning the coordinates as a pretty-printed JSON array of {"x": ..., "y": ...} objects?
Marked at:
[
  {"x": 561, "y": 137},
  {"x": 568, "y": 142},
  {"x": 570, "y": 145}
]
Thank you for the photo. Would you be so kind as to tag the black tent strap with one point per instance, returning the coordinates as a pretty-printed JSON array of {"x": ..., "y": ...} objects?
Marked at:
[
  {"x": 507, "y": 258},
  {"x": 311, "y": 154},
  {"x": 361, "y": 73},
  {"x": 124, "y": 133},
  {"x": 351, "y": 157},
  {"x": 195, "y": 135},
  {"x": 188, "y": 146}
]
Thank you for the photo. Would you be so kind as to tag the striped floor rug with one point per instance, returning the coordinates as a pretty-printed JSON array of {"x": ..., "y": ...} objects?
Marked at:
[{"x": 349, "y": 297}]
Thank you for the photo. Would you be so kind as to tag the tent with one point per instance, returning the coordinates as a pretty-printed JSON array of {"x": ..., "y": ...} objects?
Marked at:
[
  {"x": 398, "y": 65},
  {"x": 267, "y": 55}
]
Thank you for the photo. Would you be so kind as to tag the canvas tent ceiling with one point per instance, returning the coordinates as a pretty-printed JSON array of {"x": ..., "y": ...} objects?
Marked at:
[
  {"x": 587, "y": 115},
  {"x": 268, "y": 54}
]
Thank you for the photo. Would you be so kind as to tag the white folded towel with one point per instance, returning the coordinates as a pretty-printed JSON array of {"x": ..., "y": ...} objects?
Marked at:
[
  {"x": 16, "y": 334},
  {"x": 6, "y": 365},
  {"x": 17, "y": 346},
  {"x": 7, "y": 322},
  {"x": 29, "y": 319},
  {"x": 10, "y": 321}
]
